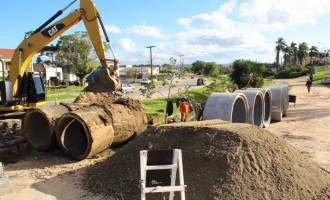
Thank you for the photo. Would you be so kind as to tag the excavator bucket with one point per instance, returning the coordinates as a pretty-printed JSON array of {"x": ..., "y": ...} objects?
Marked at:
[{"x": 104, "y": 81}]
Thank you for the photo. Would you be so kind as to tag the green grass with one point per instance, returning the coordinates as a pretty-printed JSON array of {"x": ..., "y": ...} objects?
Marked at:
[
  {"x": 320, "y": 72},
  {"x": 56, "y": 90},
  {"x": 268, "y": 81},
  {"x": 154, "y": 106},
  {"x": 61, "y": 93},
  {"x": 61, "y": 97}
]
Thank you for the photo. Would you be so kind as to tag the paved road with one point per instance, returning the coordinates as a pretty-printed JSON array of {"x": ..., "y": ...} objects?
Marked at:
[{"x": 161, "y": 91}]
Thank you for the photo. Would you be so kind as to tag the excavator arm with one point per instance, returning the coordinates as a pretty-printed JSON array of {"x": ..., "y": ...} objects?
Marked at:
[{"x": 41, "y": 37}]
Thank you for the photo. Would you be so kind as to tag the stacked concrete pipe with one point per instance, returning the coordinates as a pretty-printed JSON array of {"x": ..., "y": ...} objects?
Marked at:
[
  {"x": 256, "y": 106},
  {"x": 277, "y": 102},
  {"x": 83, "y": 129},
  {"x": 285, "y": 97},
  {"x": 267, "y": 94},
  {"x": 39, "y": 126},
  {"x": 232, "y": 107}
]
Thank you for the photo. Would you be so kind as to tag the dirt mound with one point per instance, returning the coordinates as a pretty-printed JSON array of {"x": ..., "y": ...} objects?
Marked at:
[
  {"x": 94, "y": 97},
  {"x": 220, "y": 161}
]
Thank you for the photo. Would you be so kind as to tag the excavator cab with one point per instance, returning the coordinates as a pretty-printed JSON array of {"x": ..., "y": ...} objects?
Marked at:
[
  {"x": 31, "y": 92},
  {"x": 33, "y": 87}
]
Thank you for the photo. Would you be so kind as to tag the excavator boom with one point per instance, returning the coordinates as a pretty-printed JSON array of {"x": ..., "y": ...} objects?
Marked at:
[{"x": 88, "y": 13}]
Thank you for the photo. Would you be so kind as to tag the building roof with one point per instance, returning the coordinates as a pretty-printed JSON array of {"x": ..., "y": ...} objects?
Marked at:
[
  {"x": 40, "y": 67},
  {"x": 7, "y": 52}
]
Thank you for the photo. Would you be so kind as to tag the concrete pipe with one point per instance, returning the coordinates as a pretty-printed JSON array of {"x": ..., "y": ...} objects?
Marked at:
[
  {"x": 285, "y": 86},
  {"x": 256, "y": 106},
  {"x": 84, "y": 132},
  {"x": 126, "y": 122},
  {"x": 268, "y": 104},
  {"x": 277, "y": 103},
  {"x": 39, "y": 126},
  {"x": 232, "y": 107}
]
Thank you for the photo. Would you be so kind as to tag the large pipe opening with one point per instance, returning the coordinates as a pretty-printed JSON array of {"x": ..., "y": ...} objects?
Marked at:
[
  {"x": 84, "y": 132},
  {"x": 37, "y": 130},
  {"x": 256, "y": 106},
  {"x": 258, "y": 111},
  {"x": 232, "y": 107},
  {"x": 39, "y": 124},
  {"x": 74, "y": 137},
  {"x": 268, "y": 108},
  {"x": 267, "y": 100},
  {"x": 239, "y": 111}
]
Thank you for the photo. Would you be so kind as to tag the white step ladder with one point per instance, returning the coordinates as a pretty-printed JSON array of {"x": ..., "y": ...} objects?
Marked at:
[{"x": 158, "y": 172}]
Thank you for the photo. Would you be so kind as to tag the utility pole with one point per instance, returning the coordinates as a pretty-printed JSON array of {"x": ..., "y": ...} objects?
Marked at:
[
  {"x": 150, "y": 47},
  {"x": 181, "y": 62}
]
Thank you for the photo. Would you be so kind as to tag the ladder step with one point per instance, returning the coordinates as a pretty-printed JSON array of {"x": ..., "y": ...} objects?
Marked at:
[
  {"x": 164, "y": 189},
  {"x": 156, "y": 167}
]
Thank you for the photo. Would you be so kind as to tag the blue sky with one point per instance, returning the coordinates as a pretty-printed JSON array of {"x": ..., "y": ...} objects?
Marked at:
[{"x": 208, "y": 30}]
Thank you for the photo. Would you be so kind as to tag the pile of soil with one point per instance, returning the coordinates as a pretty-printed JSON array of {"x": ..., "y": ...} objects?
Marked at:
[
  {"x": 94, "y": 97},
  {"x": 103, "y": 98},
  {"x": 220, "y": 161}
]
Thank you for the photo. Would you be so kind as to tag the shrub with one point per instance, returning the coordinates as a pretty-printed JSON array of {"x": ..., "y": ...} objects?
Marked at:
[
  {"x": 268, "y": 73},
  {"x": 292, "y": 73}
]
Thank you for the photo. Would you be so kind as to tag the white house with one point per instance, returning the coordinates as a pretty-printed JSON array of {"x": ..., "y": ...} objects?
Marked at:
[
  {"x": 54, "y": 72},
  {"x": 5, "y": 56},
  {"x": 145, "y": 71}
]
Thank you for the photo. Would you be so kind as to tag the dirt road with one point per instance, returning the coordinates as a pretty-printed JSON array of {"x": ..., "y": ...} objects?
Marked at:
[
  {"x": 306, "y": 126},
  {"x": 50, "y": 176}
]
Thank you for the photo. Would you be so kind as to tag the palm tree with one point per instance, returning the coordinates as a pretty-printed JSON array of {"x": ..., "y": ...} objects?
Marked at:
[
  {"x": 280, "y": 46},
  {"x": 302, "y": 52},
  {"x": 295, "y": 53},
  {"x": 313, "y": 52},
  {"x": 288, "y": 55}
]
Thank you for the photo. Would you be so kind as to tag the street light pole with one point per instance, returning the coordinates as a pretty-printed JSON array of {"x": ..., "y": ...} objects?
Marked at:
[{"x": 150, "y": 47}]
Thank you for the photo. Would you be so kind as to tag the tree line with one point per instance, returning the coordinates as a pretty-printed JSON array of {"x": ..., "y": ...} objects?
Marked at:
[{"x": 297, "y": 54}]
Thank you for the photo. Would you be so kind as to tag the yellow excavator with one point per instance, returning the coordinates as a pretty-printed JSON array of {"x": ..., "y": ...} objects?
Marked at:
[{"x": 24, "y": 90}]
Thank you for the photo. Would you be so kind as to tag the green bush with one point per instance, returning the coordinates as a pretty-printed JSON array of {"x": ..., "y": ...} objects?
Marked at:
[
  {"x": 268, "y": 73},
  {"x": 292, "y": 74}
]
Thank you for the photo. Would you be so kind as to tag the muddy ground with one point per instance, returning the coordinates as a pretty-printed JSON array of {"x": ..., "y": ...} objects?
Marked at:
[{"x": 298, "y": 148}]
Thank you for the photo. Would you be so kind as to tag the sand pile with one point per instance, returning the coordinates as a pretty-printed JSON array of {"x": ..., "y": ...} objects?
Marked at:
[{"x": 220, "y": 161}]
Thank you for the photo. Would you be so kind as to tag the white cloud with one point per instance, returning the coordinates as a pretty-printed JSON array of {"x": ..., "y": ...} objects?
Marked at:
[
  {"x": 208, "y": 19},
  {"x": 127, "y": 44},
  {"x": 234, "y": 30},
  {"x": 216, "y": 36},
  {"x": 281, "y": 14},
  {"x": 149, "y": 31},
  {"x": 113, "y": 29},
  {"x": 184, "y": 22},
  {"x": 228, "y": 7}
]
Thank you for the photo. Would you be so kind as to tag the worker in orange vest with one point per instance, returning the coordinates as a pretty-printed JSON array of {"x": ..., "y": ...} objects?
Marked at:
[{"x": 184, "y": 109}]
